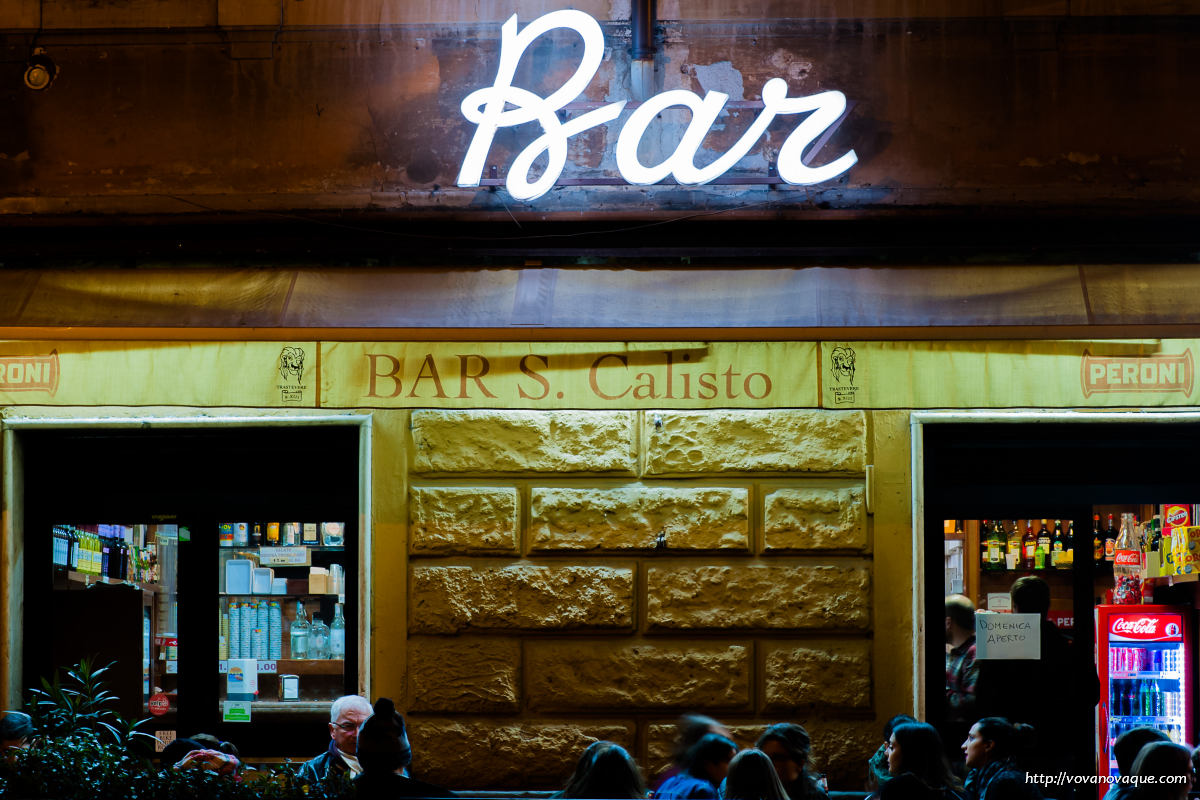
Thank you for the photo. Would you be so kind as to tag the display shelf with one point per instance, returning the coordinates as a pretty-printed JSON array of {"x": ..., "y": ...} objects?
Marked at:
[
  {"x": 87, "y": 579},
  {"x": 316, "y": 548},
  {"x": 288, "y": 596},
  {"x": 1172, "y": 674},
  {"x": 288, "y": 708}
]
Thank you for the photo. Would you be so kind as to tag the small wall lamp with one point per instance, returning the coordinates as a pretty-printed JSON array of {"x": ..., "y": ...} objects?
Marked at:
[{"x": 40, "y": 71}]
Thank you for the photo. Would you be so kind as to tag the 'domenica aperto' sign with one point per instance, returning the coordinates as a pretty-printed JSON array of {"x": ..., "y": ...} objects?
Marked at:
[{"x": 504, "y": 105}]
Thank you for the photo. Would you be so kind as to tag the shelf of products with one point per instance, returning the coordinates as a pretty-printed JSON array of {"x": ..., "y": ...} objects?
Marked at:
[{"x": 281, "y": 613}]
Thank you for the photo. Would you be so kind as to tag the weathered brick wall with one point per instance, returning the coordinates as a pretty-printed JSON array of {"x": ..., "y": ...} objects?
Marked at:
[{"x": 579, "y": 575}]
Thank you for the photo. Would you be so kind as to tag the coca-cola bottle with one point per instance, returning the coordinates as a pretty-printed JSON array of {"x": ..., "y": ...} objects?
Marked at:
[{"x": 1127, "y": 565}]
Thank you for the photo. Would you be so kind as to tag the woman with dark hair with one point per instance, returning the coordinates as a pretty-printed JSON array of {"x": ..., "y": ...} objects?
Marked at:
[
  {"x": 789, "y": 748},
  {"x": 705, "y": 765},
  {"x": 918, "y": 766},
  {"x": 877, "y": 767},
  {"x": 605, "y": 770},
  {"x": 752, "y": 776},
  {"x": 1170, "y": 765},
  {"x": 993, "y": 750}
]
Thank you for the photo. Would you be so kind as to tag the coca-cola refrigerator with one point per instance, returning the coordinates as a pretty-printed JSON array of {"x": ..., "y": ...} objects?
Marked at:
[{"x": 1144, "y": 657}]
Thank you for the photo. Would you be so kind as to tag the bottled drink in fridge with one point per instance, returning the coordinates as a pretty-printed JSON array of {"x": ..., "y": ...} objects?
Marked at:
[
  {"x": 300, "y": 629},
  {"x": 337, "y": 634},
  {"x": 1127, "y": 565}
]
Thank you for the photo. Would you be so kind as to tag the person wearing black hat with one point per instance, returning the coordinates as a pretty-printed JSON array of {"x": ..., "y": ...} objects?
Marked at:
[{"x": 385, "y": 755}]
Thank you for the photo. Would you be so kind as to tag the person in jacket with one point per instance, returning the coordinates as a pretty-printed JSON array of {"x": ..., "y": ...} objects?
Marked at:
[
  {"x": 918, "y": 766},
  {"x": 339, "y": 760},
  {"x": 385, "y": 755},
  {"x": 789, "y": 747},
  {"x": 752, "y": 776},
  {"x": 993, "y": 751},
  {"x": 877, "y": 766},
  {"x": 705, "y": 765},
  {"x": 689, "y": 730},
  {"x": 607, "y": 771}
]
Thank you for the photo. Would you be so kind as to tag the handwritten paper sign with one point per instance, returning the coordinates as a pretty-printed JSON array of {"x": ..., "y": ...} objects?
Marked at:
[{"x": 1007, "y": 636}]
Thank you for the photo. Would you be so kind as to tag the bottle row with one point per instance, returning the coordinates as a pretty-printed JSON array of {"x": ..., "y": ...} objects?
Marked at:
[
  {"x": 1172, "y": 730},
  {"x": 281, "y": 534},
  {"x": 255, "y": 629},
  {"x": 1142, "y": 659},
  {"x": 1005, "y": 548},
  {"x": 119, "y": 552},
  {"x": 1145, "y": 698}
]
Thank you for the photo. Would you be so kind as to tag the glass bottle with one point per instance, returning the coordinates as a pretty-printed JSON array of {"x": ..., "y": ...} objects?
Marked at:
[
  {"x": 1127, "y": 565},
  {"x": 318, "y": 639},
  {"x": 337, "y": 634},
  {"x": 1028, "y": 547},
  {"x": 300, "y": 630}
]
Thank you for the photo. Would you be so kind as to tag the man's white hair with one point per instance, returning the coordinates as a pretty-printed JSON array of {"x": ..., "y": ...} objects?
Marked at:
[{"x": 347, "y": 703}]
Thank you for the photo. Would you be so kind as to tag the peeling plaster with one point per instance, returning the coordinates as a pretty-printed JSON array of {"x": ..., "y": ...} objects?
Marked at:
[{"x": 721, "y": 77}]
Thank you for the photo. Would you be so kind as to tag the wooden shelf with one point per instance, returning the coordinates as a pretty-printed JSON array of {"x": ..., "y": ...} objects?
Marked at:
[{"x": 309, "y": 666}]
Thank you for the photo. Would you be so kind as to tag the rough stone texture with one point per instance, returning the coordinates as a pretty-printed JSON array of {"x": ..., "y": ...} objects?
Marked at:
[
  {"x": 836, "y": 674},
  {"x": 471, "y": 519},
  {"x": 816, "y": 518},
  {"x": 755, "y": 441},
  {"x": 450, "y": 599},
  {"x": 471, "y": 675},
  {"x": 631, "y": 518},
  {"x": 524, "y": 441},
  {"x": 564, "y": 676},
  {"x": 773, "y": 597},
  {"x": 487, "y": 754}
]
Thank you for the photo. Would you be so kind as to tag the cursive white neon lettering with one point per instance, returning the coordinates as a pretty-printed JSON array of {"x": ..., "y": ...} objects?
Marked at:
[{"x": 486, "y": 108}]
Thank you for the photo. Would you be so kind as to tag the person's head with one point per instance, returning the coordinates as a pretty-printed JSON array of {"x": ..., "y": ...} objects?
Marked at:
[
  {"x": 891, "y": 724},
  {"x": 916, "y": 747},
  {"x": 960, "y": 617},
  {"x": 345, "y": 715},
  {"x": 690, "y": 729},
  {"x": 708, "y": 759},
  {"x": 1130, "y": 743},
  {"x": 382, "y": 740},
  {"x": 752, "y": 776},
  {"x": 16, "y": 729},
  {"x": 995, "y": 738},
  {"x": 789, "y": 747},
  {"x": 1161, "y": 760},
  {"x": 176, "y": 749},
  {"x": 1030, "y": 595},
  {"x": 606, "y": 770},
  {"x": 210, "y": 742}
]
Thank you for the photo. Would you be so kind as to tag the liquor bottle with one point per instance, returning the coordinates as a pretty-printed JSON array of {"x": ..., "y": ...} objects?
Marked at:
[
  {"x": 1110, "y": 541},
  {"x": 995, "y": 544},
  {"x": 1069, "y": 546},
  {"x": 337, "y": 634},
  {"x": 299, "y": 636},
  {"x": 1014, "y": 545},
  {"x": 256, "y": 536},
  {"x": 1057, "y": 546},
  {"x": 1041, "y": 552},
  {"x": 1097, "y": 540},
  {"x": 984, "y": 558},
  {"x": 1028, "y": 547},
  {"x": 1127, "y": 565}
]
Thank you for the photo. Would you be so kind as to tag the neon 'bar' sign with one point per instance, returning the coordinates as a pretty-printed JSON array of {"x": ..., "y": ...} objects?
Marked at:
[{"x": 486, "y": 108}]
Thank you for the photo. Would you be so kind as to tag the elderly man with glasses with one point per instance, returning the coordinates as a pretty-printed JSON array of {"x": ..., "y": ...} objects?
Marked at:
[{"x": 345, "y": 716}]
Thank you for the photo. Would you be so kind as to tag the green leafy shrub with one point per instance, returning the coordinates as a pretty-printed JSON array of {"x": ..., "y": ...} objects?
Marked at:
[{"x": 83, "y": 750}]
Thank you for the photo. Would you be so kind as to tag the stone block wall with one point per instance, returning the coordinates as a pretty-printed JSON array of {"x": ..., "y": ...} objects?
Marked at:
[{"x": 575, "y": 575}]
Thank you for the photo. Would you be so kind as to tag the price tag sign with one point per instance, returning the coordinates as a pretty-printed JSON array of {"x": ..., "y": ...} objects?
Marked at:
[
  {"x": 267, "y": 667},
  {"x": 284, "y": 556},
  {"x": 162, "y": 739},
  {"x": 222, "y": 667},
  {"x": 235, "y": 710}
]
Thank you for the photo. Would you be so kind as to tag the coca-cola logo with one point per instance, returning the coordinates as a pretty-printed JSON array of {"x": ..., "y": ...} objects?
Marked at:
[
  {"x": 1145, "y": 625},
  {"x": 1145, "y": 628}
]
